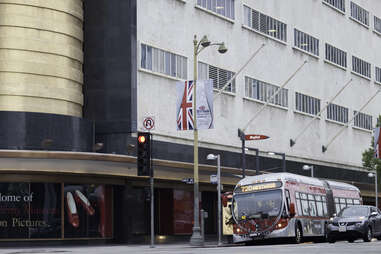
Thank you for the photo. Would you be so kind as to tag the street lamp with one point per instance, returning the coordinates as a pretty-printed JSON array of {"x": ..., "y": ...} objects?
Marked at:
[
  {"x": 214, "y": 157},
  {"x": 308, "y": 167},
  {"x": 283, "y": 159},
  {"x": 196, "y": 239},
  {"x": 375, "y": 182}
]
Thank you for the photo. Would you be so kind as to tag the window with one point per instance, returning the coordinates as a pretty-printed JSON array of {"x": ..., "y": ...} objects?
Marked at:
[
  {"x": 377, "y": 24},
  {"x": 361, "y": 67},
  {"x": 306, "y": 42},
  {"x": 307, "y": 104},
  {"x": 362, "y": 120},
  {"x": 311, "y": 205},
  {"x": 220, "y": 76},
  {"x": 264, "y": 24},
  {"x": 338, "y": 4},
  {"x": 337, "y": 113},
  {"x": 222, "y": 7},
  {"x": 335, "y": 55},
  {"x": 359, "y": 14},
  {"x": 163, "y": 62},
  {"x": 378, "y": 74},
  {"x": 263, "y": 91},
  {"x": 356, "y": 201}
]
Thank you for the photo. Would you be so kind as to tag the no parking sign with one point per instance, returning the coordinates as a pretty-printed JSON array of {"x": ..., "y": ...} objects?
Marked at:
[{"x": 149, "y": 123}]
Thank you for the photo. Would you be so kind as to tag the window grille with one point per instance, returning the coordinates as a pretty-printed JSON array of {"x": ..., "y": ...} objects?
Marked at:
[
  {"x": 363, "y": 121},
  {"x": 306, "y": 42},
  {"x": 307, "y": 104},
  {"x": 262, "y": 91},
  {"x": 359, "y": 14},
  {"x": 378, "y": 74},
  {"x": 220, "y": 76},
  {"x": 361, "y": 67},
  {"x": 377, "y": 24},
  {"x": 163, "y": 62},
  {"x": 265, "y": 24},
  {"x": 222, "y": 7},
  {"x": 338, "y": 4},
  {"x": 335, "y": 55},
  {"x": 337, "y": 113}
]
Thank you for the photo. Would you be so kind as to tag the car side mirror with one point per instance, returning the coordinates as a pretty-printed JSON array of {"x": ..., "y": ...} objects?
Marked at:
[{"x": 292, "y": 210}]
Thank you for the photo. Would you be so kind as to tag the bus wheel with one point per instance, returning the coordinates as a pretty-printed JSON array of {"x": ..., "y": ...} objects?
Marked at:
[{"x": 298, "y": 234}]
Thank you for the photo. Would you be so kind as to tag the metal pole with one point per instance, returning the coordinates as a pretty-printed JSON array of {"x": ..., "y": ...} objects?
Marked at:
[
  {"x": 243, "y": 159},
  {"x": 272, "y": 96},
  {"x": 376, "y": 176},
  {"x": 196, "y": 239},
  {"x": 219, "y": 199},
  {"x": 312, "y": 171},
  {"x": 238, "y": 72},
  {"x": 257, "y": 162},
  {"x": 293, "y": 141},
  {"x": 324, "y": 148},
  {"x": 284, "y": 162},
  {"x": 152, "y": 214}
]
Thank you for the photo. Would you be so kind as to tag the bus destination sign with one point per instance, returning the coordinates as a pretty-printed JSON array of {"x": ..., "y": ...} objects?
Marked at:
[{"x": 258, "y": 187}]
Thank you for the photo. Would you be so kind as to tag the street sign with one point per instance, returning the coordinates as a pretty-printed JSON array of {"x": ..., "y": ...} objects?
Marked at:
[
  {"x": 188, "y": 180},
  {"x": 255, "y": 137},
  {"x": 149, "y": 123},
  {"x": 213, "y": 179}
]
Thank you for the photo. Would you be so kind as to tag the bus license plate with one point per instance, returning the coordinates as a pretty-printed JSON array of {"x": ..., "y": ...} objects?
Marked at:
[
  {"x": 253, "y": 234},
  {"x": 342, "y": 228}
]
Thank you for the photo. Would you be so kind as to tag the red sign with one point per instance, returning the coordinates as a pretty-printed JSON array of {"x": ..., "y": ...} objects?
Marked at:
[{"x": 255, "y": 137}]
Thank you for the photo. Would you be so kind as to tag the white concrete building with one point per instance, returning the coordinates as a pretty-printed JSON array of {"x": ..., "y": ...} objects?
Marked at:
[{"x": 339, "y": 39}]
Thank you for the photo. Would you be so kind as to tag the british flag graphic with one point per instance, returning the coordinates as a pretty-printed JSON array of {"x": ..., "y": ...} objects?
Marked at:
[{"x": 185, "y": 109}]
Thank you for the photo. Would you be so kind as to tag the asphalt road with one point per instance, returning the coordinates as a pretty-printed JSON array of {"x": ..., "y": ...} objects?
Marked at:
[{"x": 357, "y": 247}]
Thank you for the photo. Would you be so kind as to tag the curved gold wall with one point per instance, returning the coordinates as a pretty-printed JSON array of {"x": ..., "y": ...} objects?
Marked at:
[{"x": 41, "y": 56}]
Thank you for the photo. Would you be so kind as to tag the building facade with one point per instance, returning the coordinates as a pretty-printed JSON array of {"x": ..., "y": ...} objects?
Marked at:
[{"x": 78, "y": 79}]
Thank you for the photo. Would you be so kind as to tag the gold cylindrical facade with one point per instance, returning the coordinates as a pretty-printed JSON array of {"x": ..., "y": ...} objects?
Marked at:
[{"x": 41, "y": 56}]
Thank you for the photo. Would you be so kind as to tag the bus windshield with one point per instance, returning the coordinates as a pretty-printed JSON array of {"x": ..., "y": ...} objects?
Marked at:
[{"x": 257, "y": 204}]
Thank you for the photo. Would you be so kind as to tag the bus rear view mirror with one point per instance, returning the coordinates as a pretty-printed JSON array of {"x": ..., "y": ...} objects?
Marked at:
[{"x": 292, "y": 210}]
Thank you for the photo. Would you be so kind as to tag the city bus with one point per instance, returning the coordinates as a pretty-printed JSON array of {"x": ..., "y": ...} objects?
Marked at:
[{"x": 285, "y": 205}]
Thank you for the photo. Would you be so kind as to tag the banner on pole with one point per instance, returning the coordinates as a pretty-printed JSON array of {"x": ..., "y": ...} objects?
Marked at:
[
  {"x": 204, "y": 107},
  {"x": 377, "y": 142}
]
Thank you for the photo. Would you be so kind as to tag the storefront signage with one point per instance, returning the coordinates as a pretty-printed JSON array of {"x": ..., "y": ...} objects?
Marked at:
[{"x": 33, "y": 210}]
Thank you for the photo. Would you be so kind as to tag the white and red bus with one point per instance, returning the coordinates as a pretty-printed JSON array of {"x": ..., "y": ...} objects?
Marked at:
[{"x": 284, "y": 205}]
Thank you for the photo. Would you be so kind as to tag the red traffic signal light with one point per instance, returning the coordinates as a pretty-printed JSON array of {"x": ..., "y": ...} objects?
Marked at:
[{"x": 141, "y": 139}]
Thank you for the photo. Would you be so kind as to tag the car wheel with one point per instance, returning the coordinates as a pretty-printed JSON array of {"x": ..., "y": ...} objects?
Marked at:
[
  {"x": 298, "y": 234},
  {"x": 379, "y": 237},
  {"x": 351, "y": 240},
  {"x": 331, "y": 239},
  {"x": 368, "y": 235}
]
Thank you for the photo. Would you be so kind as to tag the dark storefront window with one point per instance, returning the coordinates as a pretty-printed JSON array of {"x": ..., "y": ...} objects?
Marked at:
[{"x": 55, "y": 210}]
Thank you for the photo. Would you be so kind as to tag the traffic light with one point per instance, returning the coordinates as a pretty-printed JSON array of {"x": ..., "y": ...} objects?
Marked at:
[{"x": 144, "y": 154}]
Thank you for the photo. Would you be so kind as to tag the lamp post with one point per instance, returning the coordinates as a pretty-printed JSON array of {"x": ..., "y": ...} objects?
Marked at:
[
  {"x": 308, "y": 167},
  {"x": 213, "y": 157},
  {"x": 283, "y": 159},
  {"x": 196, "y": 239},
  {"x": 371, "y": 174},
  {"x": 256, "y": 158}
]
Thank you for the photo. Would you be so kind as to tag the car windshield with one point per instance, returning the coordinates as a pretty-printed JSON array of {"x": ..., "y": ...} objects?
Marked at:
[
  {"x": 257, "y": 204},
  {"x": 354, "y": 211}
]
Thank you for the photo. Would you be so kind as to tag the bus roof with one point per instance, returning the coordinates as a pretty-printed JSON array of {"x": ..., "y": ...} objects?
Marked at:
[
  {"x": 281, "y": 177},
  {"x": 342, "y": 186},
  {"x": 296, "y": 178}
]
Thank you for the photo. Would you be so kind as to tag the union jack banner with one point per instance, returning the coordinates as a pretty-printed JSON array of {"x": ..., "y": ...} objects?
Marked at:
[
  {"x": 185, "y": 105},
  {"x": 377, "y": 143},
  {"x": 204, "y": 107}
]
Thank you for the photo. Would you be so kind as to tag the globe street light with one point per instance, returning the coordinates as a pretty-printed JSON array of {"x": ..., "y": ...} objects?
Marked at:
[
  {"x": 375, "y": 182},
  {"x": 196, "y": 239},
  {"x": 214, "y": 157},
  {"x": 308, "y": 167}
]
